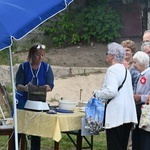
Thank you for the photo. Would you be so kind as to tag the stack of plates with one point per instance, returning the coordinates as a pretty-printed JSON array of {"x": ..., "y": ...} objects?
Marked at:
[
  {"x": 82, "y": 109},
  {"x": 82, "y": 106}
]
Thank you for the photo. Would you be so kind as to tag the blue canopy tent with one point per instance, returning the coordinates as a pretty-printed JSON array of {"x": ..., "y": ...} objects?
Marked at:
[{"x": 17, "y": 19}]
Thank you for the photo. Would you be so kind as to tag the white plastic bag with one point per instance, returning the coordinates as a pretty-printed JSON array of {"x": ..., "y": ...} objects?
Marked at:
[
  {"x": 94, "y": 115},
  {"x": 145, "y": 118}
]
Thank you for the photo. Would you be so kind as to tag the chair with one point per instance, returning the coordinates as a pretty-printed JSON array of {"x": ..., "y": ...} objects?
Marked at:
[
  {"x": 79, "y": 140},
  {"x": 4, "y": 100},
  {"x": 5, "y": 103}
]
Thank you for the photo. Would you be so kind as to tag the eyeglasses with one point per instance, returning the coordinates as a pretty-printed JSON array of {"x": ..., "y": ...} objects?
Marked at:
[
  {"x": 145, "y": 41},
  {"x": 39, "y": 55},
  {"x": 109, "y": 54},
  {"x": 40, "y": 46}
]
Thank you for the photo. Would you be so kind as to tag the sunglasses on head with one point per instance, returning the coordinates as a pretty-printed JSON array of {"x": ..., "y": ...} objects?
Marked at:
[{"x": 40, "y": 46}]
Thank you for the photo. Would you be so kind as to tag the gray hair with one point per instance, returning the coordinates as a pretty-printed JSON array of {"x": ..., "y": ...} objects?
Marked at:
[
  {"x": 142, "y": 58},
  {"x": 117, "y": 50},
  {"x": 146, "y": 44}
]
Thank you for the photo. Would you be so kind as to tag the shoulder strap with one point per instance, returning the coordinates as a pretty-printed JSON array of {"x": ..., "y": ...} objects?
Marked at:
[
  {"x": 123, "y": 81},
  {"x": 111, "y": 98},
  {"x": 120, "y": 85}
]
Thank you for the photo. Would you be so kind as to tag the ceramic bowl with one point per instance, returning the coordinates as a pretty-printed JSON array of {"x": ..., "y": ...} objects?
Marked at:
[{"x": 67, "y": 104}]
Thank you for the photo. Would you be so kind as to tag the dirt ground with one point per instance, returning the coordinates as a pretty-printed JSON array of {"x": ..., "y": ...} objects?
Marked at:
[
  {"x": 89, "y": 55},
  {"x": 73, "y": 56},
  {"x": 79, "y": 56}
]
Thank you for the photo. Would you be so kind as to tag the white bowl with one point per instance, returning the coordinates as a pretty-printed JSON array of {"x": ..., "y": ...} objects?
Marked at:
[
  {"x": 36, "y": 105},
  {"x": 82, "y": 104},
  {"x": 67, "y": 104}
]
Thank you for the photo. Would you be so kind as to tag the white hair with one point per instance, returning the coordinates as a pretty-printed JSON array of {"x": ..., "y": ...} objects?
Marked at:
[
  {"x": 117, "y": 50},
  {"x": 142, "y": 58}
]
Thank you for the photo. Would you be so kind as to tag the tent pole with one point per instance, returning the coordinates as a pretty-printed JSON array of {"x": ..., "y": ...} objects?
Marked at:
[{"x": 14, "y": 99}]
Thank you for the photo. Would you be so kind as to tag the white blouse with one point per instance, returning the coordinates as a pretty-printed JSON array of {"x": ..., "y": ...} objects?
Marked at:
[{"x": 121, "y": 108}]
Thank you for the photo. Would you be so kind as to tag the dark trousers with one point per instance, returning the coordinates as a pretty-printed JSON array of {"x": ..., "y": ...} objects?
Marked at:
[
  {"x": 13, "y": 144},
  {"x": 117, "y": 138},
  {"x": 140, "y": 139},
  {"x": 35, "y": 142},
  {"x": 136, "y": 144}
]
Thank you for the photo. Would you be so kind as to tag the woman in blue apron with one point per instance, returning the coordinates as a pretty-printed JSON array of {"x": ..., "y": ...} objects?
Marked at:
[{"x": 37, "y": 72}]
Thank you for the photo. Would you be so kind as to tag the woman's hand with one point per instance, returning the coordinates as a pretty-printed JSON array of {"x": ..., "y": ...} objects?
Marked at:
[
  {"x": 23, "y": 88},
  {"x": 48, "y": 88},
  {"x": 137, "y": 98},
  {"x": 26, "y": 86},
  {"x": 148, "y": 100}
]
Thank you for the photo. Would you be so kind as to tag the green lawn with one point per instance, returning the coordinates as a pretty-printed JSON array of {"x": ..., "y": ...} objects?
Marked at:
[{"x": 99, "y": 143}]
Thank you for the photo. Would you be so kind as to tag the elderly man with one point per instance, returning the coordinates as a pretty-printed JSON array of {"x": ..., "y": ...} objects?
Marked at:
[
  {"x": 146, "y": 36},
  {"x": 145, "y": 47}
]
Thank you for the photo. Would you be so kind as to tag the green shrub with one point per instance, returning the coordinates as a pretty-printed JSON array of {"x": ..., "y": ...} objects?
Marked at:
[
  {"x": 4, "y": 57},
  {"x": 99, "y": 23}
]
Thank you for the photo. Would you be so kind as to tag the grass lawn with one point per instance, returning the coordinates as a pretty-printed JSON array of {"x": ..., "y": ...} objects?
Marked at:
[{"x": 99, "y": 143}]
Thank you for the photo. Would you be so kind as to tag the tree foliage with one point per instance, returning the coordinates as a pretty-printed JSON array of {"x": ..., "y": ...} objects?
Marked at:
[{"x": 95, "y": 22}]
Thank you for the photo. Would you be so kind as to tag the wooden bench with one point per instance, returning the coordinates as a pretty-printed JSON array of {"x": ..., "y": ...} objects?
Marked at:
[{"x": 9, "y": 132}]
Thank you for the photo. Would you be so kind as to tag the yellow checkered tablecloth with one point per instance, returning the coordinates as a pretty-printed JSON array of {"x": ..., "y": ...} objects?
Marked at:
[{"x": 48, "y": 125}]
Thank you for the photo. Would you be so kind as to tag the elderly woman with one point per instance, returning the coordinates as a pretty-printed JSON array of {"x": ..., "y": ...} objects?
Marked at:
[
  {"x": 140, "y": 137},
  {"x": 130, "y": 49},
  {"x": 121, "y": 111},
  {"x": 145, "y": 47}
]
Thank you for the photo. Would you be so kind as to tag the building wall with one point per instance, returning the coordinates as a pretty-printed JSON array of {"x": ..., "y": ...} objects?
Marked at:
[{"x": 132, "y": 20}]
